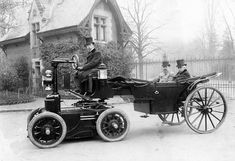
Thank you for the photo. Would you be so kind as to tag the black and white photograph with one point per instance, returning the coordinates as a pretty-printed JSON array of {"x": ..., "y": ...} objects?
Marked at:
[{"x": 117, "y": 80}]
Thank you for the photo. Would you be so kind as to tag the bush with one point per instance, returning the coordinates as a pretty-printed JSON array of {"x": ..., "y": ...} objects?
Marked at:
[
  {"x": 50, "y": 51},
  {"x": 21, "y": 67},
  {"x": 119, "y": 62},
  {"x": 8, "y": 79}
]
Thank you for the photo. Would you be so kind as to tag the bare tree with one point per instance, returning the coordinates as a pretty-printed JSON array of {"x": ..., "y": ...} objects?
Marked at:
[
  {"x": 7, "y": 17},
  {"x": 142, "y": 42},
  {"x": 228, "y": 32},
  {"x": 211, "y": 10},
  {"x": 7, "y": 14}
]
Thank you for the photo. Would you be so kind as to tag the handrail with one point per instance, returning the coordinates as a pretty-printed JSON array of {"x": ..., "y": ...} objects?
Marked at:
[{"x": 202, "y": 79}]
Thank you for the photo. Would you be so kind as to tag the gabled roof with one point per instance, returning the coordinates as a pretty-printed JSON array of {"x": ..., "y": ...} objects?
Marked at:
[
  {"x": 63, "y": 14},
  {"x": 68, "y": 13},
  {"x": 74, "y": 12},
  {"x": 20, "y": 31}
]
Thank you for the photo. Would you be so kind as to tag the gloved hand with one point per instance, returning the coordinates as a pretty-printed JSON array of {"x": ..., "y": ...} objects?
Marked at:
[{"x": 79, "y": 68}]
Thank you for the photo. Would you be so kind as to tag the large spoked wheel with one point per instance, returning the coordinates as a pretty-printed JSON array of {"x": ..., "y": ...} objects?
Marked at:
[
  {"x": 113, "y": 125},
  {"x": 173, "y": 118},
  {"x": 47, "y": 130},
  {"x": 208, "y": 110}
]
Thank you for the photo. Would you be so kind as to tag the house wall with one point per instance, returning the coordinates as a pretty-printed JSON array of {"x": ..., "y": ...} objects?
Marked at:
[
  {"x": 61, "y": 38},
  {"x": 103, "y": 9},
  {"x": 17, "y": 50}
]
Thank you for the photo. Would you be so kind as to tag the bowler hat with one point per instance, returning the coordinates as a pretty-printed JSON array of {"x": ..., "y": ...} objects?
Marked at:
[
  {"x": 89, "y": 40},
  {"x": 180, "y": 63},
  {"x": 165, "y": 63}
]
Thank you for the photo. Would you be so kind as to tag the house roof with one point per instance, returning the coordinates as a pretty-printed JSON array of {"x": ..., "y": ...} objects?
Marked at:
[
  {"x": 62, "y": 14},
  {"x": 68, "y": 13},
  {"x": 20, "y": 31}
]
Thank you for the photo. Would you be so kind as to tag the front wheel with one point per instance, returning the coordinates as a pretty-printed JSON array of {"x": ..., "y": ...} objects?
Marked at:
[
  {"x": 47, "y": 130},
  {"x": 208, "y": 110},
  {"x": 33, "y": 113},
  {"x": 112, "y": 125}
]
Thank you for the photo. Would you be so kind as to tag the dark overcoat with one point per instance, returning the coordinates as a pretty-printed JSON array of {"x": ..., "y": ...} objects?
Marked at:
[
  {"x": 181, "y": 76},
  {"x": 93, "y": 61}
]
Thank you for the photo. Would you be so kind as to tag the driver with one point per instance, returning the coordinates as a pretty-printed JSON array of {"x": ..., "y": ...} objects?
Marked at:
[{"x": 93, "y": 61}]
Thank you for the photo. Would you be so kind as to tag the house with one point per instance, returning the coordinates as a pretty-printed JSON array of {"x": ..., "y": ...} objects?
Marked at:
[{"x": 59, "y": 20}]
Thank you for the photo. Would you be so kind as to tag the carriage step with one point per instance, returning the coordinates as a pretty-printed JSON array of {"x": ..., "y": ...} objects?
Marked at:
[
  {"x": 144, "y": 116},
  {"x": 169, "y": 123}
]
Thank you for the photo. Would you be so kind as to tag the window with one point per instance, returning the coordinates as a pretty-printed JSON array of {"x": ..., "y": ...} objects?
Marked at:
[
  {"x": 37, "y": 68},
  {"x": 100, "y": 28},
  {"x": 35, "y": 29}
]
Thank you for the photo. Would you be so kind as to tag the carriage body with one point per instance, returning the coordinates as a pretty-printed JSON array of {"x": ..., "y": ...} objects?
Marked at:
[{"x": 173, "y": 102}]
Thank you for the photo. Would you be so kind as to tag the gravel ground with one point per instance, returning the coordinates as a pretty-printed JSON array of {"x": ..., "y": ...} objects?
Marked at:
[{"x": 147, "y": 140}]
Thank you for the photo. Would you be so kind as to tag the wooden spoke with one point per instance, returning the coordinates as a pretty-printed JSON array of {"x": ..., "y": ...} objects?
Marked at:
[
  {"x": 218, "y": 105},
  {"x": 205, "y": 95},
  {"x": 194, "y": 113},
  {"x": 200, "y": 122},
  {"x": 210, "y": 97},
  {"x": 211, "y": 121},
  {"x": 215, "y": 117},
  {"x": 166, "y": 116},
  {"x": 217, "y": 111},
  {"x": 215, "y": 101},
  {"x": 196, "y": 118},
  {"x": 197, "y": 102},
  {"x": 172, "y": 118},
  {"x": 178, "y": 117},
  {"x": 205, "y": 122},
  {"x": 200, "y": 98}
]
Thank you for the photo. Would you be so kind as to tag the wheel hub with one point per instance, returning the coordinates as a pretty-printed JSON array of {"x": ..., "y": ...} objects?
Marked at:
[
  {"x": 114, "y": 125},
  {"x": 47, "y": 131}
]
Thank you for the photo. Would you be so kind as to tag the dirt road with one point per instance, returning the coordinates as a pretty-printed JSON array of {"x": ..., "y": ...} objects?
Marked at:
[{"x": 147, "y": 140}]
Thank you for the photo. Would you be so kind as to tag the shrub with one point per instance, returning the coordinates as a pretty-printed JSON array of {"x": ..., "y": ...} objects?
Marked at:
[
  {"x": 119, "y": 62},
  {"x": 21, "y": 67},
  {"x": 8, "y": 79}
]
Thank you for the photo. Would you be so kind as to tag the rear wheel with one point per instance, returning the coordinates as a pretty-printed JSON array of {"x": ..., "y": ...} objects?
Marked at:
[
  {"x": 208, "y": 110},
  {"x": 112, "y": 125},
  {"x": 47, "y": 130},
  {"x": 173, "y": 118}
]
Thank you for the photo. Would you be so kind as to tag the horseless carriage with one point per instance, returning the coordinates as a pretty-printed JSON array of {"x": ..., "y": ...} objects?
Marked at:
[{"x": 203, "y": 108}]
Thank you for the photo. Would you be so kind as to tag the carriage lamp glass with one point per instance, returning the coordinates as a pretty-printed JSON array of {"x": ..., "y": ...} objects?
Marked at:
[
  {"x": 102, "y": 71},
  {"x": 47, "y": 80}
]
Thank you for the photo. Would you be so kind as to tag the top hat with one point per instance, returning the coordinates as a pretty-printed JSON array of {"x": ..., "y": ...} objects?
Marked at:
[
  {"x": 180, "y": 63},
  {"x": 89, "y": 40},
  {"x": 165, "y": 63}
]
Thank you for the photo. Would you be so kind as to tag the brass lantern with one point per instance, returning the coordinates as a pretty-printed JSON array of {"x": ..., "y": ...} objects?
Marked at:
[{"x": 102, "y": 71}]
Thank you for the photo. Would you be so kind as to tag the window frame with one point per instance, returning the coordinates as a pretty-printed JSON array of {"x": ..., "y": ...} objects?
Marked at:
[{"x": 100, "y": 28}]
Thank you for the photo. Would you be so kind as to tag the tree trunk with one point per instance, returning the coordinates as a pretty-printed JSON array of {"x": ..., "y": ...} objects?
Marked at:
[{"x": 141, "y": 67}]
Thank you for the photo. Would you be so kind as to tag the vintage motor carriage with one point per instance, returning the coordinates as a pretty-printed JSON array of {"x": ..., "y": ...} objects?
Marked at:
[{"x": 203, "y": 108}]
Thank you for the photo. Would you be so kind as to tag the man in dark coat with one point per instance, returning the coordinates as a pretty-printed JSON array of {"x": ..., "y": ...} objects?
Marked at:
[
  {"x": 92, "y": 63},
  {"x": 183, "y": 73}
]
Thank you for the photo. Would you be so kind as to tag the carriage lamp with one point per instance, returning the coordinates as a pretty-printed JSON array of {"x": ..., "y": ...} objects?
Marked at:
[
  {"x": 47, "y": 80},
  {"x": 102, "y": 71}
]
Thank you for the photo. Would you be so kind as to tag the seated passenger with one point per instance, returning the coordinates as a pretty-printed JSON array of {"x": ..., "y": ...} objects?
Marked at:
[
  {"x": 166, "y": 75},
  {"x": 183, "y": 73},
  {"x": 93, "y": 61}
]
